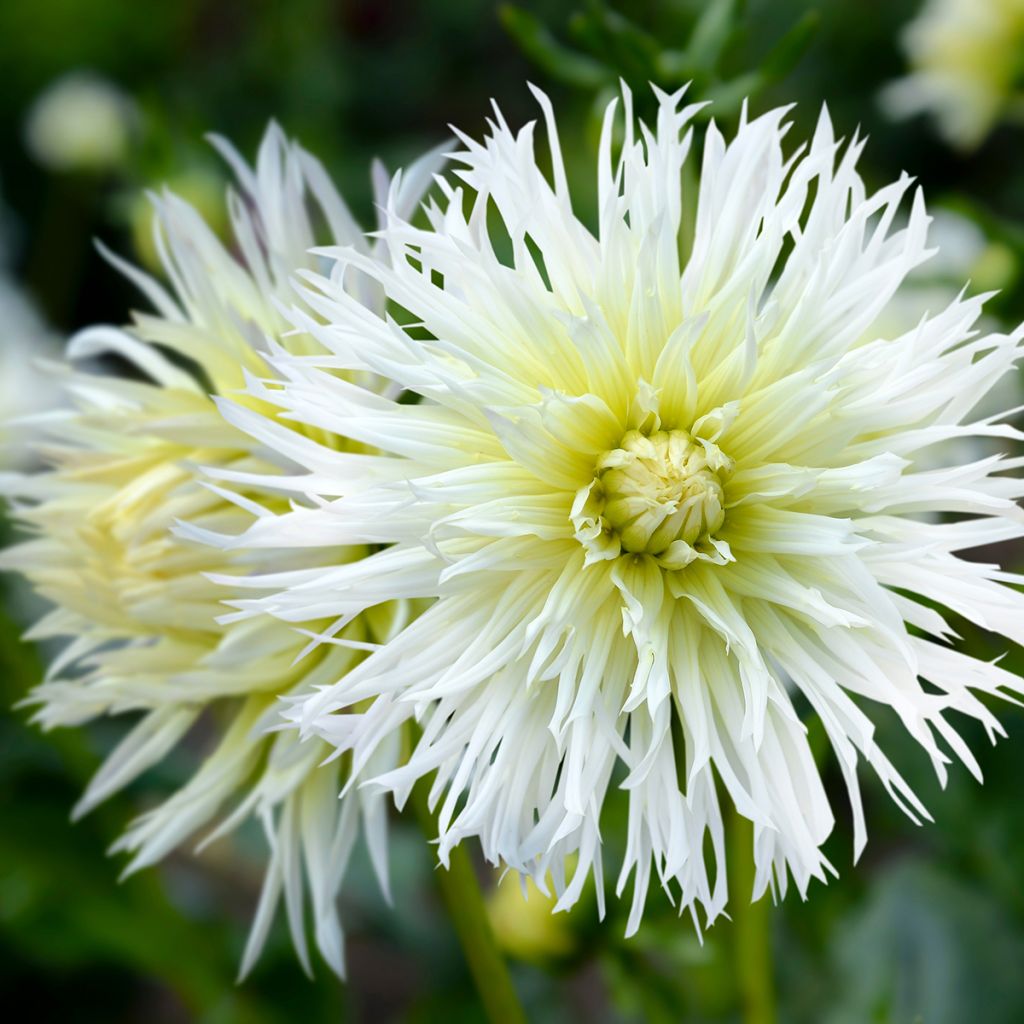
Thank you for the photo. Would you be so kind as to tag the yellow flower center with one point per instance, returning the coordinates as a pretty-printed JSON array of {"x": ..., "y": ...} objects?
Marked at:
[{"x": 659, "y": 494}]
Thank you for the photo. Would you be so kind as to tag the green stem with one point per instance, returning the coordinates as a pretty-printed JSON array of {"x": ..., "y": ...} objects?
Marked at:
[
  {"x": 464, "y": 901},
  {"x": 61, "y": 247},
  {"x": 751, "y": 931}
]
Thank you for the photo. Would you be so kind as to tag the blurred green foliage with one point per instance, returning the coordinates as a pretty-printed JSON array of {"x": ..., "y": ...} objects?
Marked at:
[
  {"x": 930, "y": 925},
  {"x": 688, "y": 46}
]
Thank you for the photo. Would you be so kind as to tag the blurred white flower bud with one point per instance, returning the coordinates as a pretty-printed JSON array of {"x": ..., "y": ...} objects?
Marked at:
[{"x": 80, "y": 122}]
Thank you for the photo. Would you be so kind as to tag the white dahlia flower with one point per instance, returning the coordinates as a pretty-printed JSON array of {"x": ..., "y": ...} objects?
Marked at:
[
  {"x": 123, "y": 465},
  {"x": 964, "y": 67},
  {"x": 668, "y": 506}
]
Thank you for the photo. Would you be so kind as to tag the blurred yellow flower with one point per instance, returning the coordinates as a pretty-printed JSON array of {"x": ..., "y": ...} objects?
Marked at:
[
  {"x": 200, "y": 188},
  {"x": 523, "y": 921},
  {"x": 965, "y": 58}
]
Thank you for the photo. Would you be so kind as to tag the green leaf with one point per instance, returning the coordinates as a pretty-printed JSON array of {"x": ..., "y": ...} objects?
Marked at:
[
  {"x": 562, "y": 63},
  {"x": 926, "y": 946},
  {"x": 710, "y": 34},
  {"x": 784, "y": 56},
  {"x": 628, "y": 49},
  {"x": 726, "y": 97}
]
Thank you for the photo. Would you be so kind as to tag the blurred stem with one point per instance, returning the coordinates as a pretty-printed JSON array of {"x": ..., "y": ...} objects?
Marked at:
[
  {"x": 752, "y": 946},
  {"x": 60, "y": 246},
  {"x": 464, "y": 901}
]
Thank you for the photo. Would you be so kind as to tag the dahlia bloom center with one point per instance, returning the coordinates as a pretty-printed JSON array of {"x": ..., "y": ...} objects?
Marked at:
[{"x": 658, "y": 493}]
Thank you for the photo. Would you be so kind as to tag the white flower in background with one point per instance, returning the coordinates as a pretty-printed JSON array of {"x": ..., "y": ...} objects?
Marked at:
[
  {"x": 132, "y": 600},
  {"x": 965, "y": 64},
  {"x": 80, "y": 122},
  {"x": 667, "y": 508}
]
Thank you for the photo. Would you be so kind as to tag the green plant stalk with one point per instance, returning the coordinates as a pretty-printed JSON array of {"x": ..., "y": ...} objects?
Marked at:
[
  {"x": 464, "y": 901},
  {"x": 751, "y": 931}
]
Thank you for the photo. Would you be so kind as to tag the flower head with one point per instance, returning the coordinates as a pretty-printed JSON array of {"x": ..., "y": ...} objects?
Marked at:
[
  {"x": 80, "y": 122},
  {"x": 659, "y": 493},
  {"x": 667, "y": 505},
  {"x": 140, "y": 617},
  {"x": 965, "y": 66}
]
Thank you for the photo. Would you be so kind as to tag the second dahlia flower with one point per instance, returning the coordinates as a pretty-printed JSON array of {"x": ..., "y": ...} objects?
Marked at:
[
  {"x": 123, "y": 462},
  {"x": 668, "y": 505}
]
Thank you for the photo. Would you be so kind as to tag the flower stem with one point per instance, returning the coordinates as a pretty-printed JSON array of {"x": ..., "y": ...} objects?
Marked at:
[
  {"x": 464, "y": 901},
  {"x": 751, "y": 932}
]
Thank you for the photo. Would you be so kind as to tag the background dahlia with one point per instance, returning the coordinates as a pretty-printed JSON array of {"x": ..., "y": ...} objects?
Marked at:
[{"x": 132, "y": 603}]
